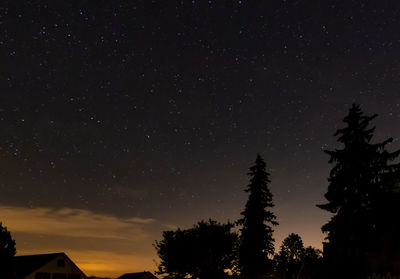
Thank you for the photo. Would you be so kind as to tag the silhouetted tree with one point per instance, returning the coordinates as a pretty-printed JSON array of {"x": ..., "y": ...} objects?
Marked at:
[
  {"x": 383, "y": 254},
  {"x": 7, "y": 253},
  {"x": 296, "y": 262},
  {"x": 256, "y": 238},
  {"x": 356, "y": 186},
  {"x": 290, "y": 258},
  {"x": 311, "y": 264},
  {"x": 205, "y": 251}
]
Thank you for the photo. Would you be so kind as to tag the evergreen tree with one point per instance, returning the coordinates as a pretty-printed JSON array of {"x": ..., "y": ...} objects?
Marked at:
[
  {"x": 257, "y": 243},
  {"x": 357, "y": 180}
]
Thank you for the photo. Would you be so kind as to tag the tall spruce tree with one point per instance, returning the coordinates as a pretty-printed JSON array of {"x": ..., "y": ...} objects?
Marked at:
[
  {"x": 356, "y": 184},
  {"x": 257, "y": 242}
]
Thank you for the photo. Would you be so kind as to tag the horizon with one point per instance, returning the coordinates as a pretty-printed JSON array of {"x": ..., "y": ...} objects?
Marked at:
[{"x": 121, "y": 120}]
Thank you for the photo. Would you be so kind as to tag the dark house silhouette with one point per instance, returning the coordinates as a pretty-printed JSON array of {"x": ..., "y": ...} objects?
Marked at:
[
  {"x": 138, "y": 275},
  {"x": 46, "y": 266}
]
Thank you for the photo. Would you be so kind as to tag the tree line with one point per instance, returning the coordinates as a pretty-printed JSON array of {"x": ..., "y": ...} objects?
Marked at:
[{"x": 362, "y": 236}]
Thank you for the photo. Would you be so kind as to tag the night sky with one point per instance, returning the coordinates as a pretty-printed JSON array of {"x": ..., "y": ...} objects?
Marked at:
[{"x": 121, "y": 119}]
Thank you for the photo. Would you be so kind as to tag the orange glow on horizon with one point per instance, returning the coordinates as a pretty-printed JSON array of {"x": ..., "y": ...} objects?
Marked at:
[
  {"x": 109, "y": 246},
  {"x": 100, "y": 245}
]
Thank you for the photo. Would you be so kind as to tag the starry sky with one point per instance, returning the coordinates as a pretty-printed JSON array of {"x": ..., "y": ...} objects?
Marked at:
[{"x": 121, "y": 119}]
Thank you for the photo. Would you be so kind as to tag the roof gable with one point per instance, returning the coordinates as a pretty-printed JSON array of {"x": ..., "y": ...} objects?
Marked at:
[{"x": 25, "y": 265}]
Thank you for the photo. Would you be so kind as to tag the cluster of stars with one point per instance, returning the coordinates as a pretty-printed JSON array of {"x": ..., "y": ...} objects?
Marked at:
[{"x": 150, "y": 97}]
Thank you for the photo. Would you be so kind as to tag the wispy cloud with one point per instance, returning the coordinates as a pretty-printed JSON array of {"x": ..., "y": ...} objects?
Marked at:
[
  {"x": 73, "y": 223},
  {"x": 170, "y": 227},
  {"x": 100, "y": 244}
]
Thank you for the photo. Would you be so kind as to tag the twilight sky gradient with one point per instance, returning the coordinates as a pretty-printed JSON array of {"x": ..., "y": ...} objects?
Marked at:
[{"x": 121, "y": 119}]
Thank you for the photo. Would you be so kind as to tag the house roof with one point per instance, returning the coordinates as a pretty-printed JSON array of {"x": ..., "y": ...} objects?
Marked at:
[
  {"x": 137, "y": 275},
  {"x": 25, "y": 265}
]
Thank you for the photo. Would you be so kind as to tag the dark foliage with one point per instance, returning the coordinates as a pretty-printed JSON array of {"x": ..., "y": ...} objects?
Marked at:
[
  {"x": 296, "y": 262},
  {"x": 312, "y": 264},
  {"x": 7, "y": 253},
  {"x": 362, "y": 236},
  {"x": 205, "y": 251},
  {"x": 361, "y": 185},
  {"x": 290, "y": 257},
  {"x": 257, "y": 242}
]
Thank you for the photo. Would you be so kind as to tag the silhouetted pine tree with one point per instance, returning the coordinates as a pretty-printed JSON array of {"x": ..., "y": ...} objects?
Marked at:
[
  {"x": 257, "y": 242},
  {"x": 356, "y": 186}
]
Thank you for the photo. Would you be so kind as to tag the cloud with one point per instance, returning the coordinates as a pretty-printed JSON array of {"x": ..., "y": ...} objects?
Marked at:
[
  {"x": 73, "y": 223},
  {"x": 99, "y": 244},
  {"x": 170, "y": 227}
]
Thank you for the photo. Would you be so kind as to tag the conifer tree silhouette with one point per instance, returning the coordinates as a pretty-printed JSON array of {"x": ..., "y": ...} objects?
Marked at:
[
  {"x": 256, "y": 238},
  {"x": 357, "y": 180}
]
